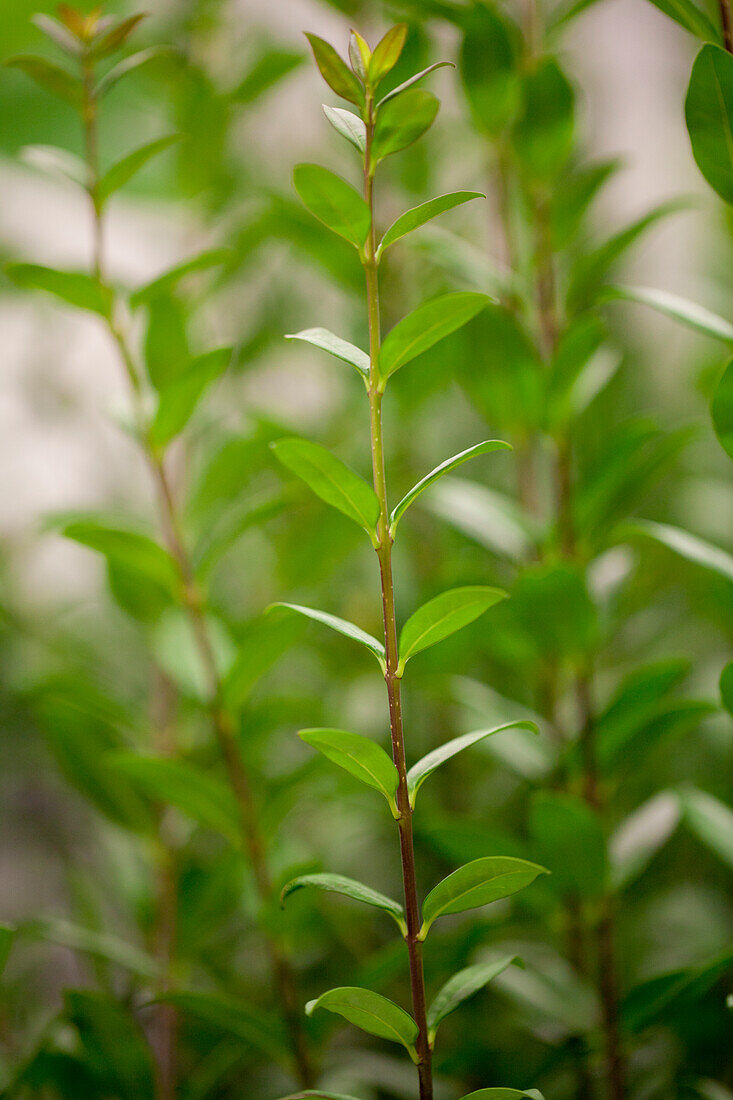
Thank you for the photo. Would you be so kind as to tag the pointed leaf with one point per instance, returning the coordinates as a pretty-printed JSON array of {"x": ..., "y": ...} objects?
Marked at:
[
  {"x": 403, "y": 120},
  {"x": 334, "y": 202},
  {"x": 235, "y": 1017},
  {"x": 371, "y": 1012},
  {"x": 58, "y": 33},
  {"x": 688, "y": 15},
  {"x": 462, "y": 986},
  {"x": 420, "y": 215},
  {"x": 425, "y": 326},
  {"x": 76, "y": 288},
  {"x": 335, "y": 71},
  {"x": 414, "y": 79},
  {"x": 123, "y": 171},
  {"x": 710, "y": 820},
  {"x": 681, "y": 309},
  {"x": 350, "y": 888},
  {"x": 569, "y": 838},
  {"x": 52, "y": 77},
  {"x": 360, "y": 756},
  {"x": 688, "y": 546},
  {"x": 334, "y": 345},
  {"x": 348, "y": 125},
  {"x": 56, "y": 161},
  {"x": 130, "y": 549},
  {"x": 102, "y": 945},
  {"x": 709, "y": 116},
  {"x": 543, "y": 133},
  {"x": 477, "y": 883},
  {"x": 267, "y": 71},
  {"x": 489, "y": 68},
  {"x": 419, "y": 772},
  {"x": 721, "y": 410},
  {"x": 386, "y": 53},
  {"x": 444, "y": 468},
  {"x": 169, "y": 280},
  {"x": 443, "y": 616},
  {"x": 258, "y": 649},
  {"x": 178, "y": 399},
  {"x": 502, "y": 1094},
  {"x": 359, "y": 54},
  {"x": 117, "y": 36},
  {"x": 332, "y": 480},
  {"x": 349, "y": 630},
  {"x": 129, "y": 64}
]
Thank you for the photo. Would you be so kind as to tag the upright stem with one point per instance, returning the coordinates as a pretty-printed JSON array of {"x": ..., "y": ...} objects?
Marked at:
[
  {"x": 726, "y": 20},
  {"x": 392, "y": 679}
]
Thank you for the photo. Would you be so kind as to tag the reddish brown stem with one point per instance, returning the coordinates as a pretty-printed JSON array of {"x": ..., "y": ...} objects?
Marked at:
[{"x": 726, "y": 22}]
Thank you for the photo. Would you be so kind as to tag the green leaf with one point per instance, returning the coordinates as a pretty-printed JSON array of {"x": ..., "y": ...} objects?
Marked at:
[
  {"x": 127, "y": 548},
  {"x": 360, "y": 756},
  {"x": 123, "y": 171},
  {"x": 75, "y": 287},
  {"x": 460, "y": 987},
  {"x": 334, "y": 345},
  {"x": 342, "y": 627},
  {"x": 178, "y": 399},
  {"x": 60, "y": 35},
  {"x": 570, "y": 203},
  {"x": 688, "y": 546},
  {"x": 268, "y": 70},
  {"x": 689, "y": 16},
  {"x": 425, "y": 326},
  {"x": 489, "y": 68},
  {"x": 166, "y": 349},
  {"x": 348, "y": 125},
  {"x": 726, "y": 687},
  {"x": 167, "y": 282},
  {"x": 685, "y": 985},
  {"x": 414, "y": 80},
  {"x": 350, "y": 888},
  {"x": 190, "y": 789},
  {"x": 114, "y": 1044},
  {"x": 335, "y": 71},
  {"x": 386, "y": 53},
  {"x": 402, "y": 120},
  {"x": 261, "y": 1029},
  {"x": 543, "y": 133},
  {"x": 444, "y": 468},
  {"x": 7, "y": 935},
  {"x": 419, "y": 772},
  {"x": 52, "y": 77},
  {"x": 334, "y": 202},
  {"x": 101, "y": 945},
  {"x": 318, "y": 1094},
  {"x": 490, "y": 518},
  {"x": 688, "y": 313},
  {"x": 709, "y": 116},
  {"x": 332, "y": 480},
  {"x": 371, "y": 1012},
  {"x": 420, "y": 215},
  {"x": 721, "y": 409},
  {"x": 258, "y": 649},
  {"x": 359, "y": 55},
  {"x": 57, "y": 162},
  {"x": 638, "y": 838},
  {"x": 638, "y": 700},
  {"x": 443, "y": 616},
  {"x": 475, "y": 884},
  {"x": 502, "y": 1094},
  {"x": 568, "y": 837},
  {"x": 116, "y": 37},
  {"x": 710, "y": 820},
  {"x": 508, "y": 385},
  {"x": 129, "y": 65}
]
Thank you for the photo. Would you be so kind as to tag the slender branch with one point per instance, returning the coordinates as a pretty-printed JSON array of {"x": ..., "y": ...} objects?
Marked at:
[
  {"x": 392, "y": 680},
  {"x": 726, "y": 21}
]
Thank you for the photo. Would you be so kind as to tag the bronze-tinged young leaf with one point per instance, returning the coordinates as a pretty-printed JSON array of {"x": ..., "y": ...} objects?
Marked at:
[
  {"x": 721, "y": 410},
  {"x": 372, "y": 1013},
  {"x": 386, "y": 53},
  {"x": 341, "y": 626},
  {"x": 426, "y": 326},
  {"x": 709, "y": 116},
  {"x": 334, "y": 202},
  {"x": 403, "y": 120},
  {"x": 420, "y": 215},
  {"x": 50, "y": 76},
  {"x": 123, "y": 171},
  {"x": 75, "y": 287},
  {"x": 349, "y": 888},
  {"x": 477, "y": 883},
  {"x": 462, "y": 986},
  {"x": 334, "y": 345},
  {"x": 335, "y": 71},
  {"x": 359, "y": 55},
  {"x": 111, "y": 40},
  {"x": 360, "y": 756},
  {"x": 443, "y": 616}
]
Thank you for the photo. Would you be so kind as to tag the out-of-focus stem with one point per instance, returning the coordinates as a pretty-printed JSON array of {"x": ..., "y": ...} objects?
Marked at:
[{"x": 726, "y": 22}]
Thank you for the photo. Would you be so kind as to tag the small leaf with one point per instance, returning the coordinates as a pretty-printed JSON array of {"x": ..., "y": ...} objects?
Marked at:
[
  {"x": 50, "y": 76},
  {"x": 419, "y": 772},
  {"x": 165, "y": 346},
  {"x": 689, "y": 313},
  {"x": 502, "y": 1094},
  {"x": 403, "y": 120},
  {"x": 460, "y": 987},
  {"x": 342, "y": 627},
  {"x": 360, "y": 756},
  {"x": 116, "y": 37},
  {"x": 169, "y": 280},
  {"x": 386, "y": 53},
  {"x": 334, "y": 345},
  {"x": 350, "y": 888},
  {"x": 721, "y": 410},
  {"x": 334, "y": 202},
  {"x": 371, "y": 1012},
  {"x": 413, "y": 80},
  {"x": 100, "y": 945},
  {"x": 76, "y": 288},
  {"x": 420, "y": 215},
  {"x": 348, "y": 125},
  {"x": 444, "y": 468},
  {"x": 477, "y": 883},
  {"x": 425, "y": 326},
  {"x": 127, "y": 548},
  {"x": 359, "y": 55},
  {"x": 689, "y": 16},
  {"x": 443, "y": 616},
  {"x": 235, "y": 1017},
  {"x": 129, "y": 65},
  {"x": 332, "y": 480},
  {"x": 709, "y": 116},
  {"x": 543, "y": 134},
  {"x": 123, "y": 171},
  {"x": 569, "y": 839},
  {"x": 489, "y": 68},
  {"x": 335, "y": 71},
  {"x": 178, "y": 399},
  {"x": 688, "y": 546},
  {"x": 56, "y": 161},
  {"x": 58, "y": 33}
]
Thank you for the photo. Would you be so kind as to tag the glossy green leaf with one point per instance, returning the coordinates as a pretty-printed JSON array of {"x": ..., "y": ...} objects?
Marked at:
[
  {"x": 334, "y": 345},
  {"x": 371, "y": 1012},
  {"x": 178, "y": 399},
  {"x": 360, "y": 756},
  {"x": 420, "y": 215},
  {"x": 419, "y": 772},
  {"x": 681, "y": 309},
  {"x": 688, "y": 14},
  {"x": 710, "y": 820},
  {"x": 475, "y": 884},
  {"x": 721, "y": 409},
  {"x": 341, "y": 626},
  {"x": 443, "y": 616},
  {"x": 543, "y": 133},
  {"x": 411, "y": 81},
  {"x": 386, "y": 53},
  {"x": 129, "y": 65},
  {"x": 568, "y": 837},
  {"x": 334, "y": 202},
  {"x": 167, "y": 282},
  {"x": 50, "y": 76},
  {"x": 688, "y": 546},
  {"x": 74, "y": 287},
  {"x": 332, "y": 480},
  {"x": 349, "y": 888},
  {"x": 402, "y": 120},
  {"x": 190, "y": 789},
  {"x": 460, "y": 987},
  {"x": 444, "y": 468},
  {"x": 489, "y": 68},
  {"x": 123, "y": 171},
  {"x": 425, "y": 326},
  {"x": 348, "y": 125},
  {"x": 709, "y": 116},
  {"x": 230, "y": 1016},
  {"x": 335, "y": 71}
]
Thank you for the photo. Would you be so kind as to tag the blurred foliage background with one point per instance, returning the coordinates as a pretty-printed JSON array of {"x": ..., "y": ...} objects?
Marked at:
[{"x": 112, "y": 895}]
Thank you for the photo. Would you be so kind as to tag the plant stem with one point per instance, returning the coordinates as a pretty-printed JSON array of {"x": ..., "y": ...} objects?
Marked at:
[
  {"x": 223, "y": 721},
  {"x": 726, "y": 20},
  {"x": 392, "y": 680}
]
